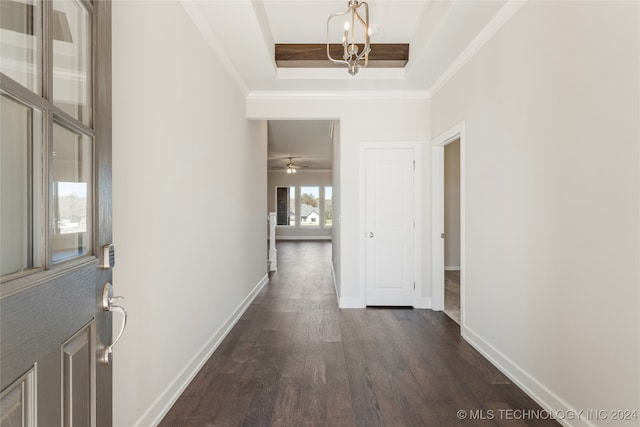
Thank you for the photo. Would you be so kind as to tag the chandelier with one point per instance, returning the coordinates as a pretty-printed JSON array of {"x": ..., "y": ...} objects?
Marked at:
[{"x": 351, "y": 57}]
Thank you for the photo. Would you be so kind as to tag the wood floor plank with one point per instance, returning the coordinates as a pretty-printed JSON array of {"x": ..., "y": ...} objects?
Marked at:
[
  {"x": 287, "y": 409},
  {"x": 295, "y": 359},
  {"x": 363, "y": 397}
]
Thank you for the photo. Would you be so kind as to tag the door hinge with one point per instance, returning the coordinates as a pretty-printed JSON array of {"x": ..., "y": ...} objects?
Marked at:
[
  {"x": 414, "y": 165},
  {"x": 414, "y": 285}
]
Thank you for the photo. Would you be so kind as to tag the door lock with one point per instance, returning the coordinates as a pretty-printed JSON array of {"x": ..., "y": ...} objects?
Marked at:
[
  {"x": 370, "y": 234},
  {"x": 108, "y": 256}
]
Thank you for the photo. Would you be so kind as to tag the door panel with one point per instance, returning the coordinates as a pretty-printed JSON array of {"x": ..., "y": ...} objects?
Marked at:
[
  {"x": 390, "y": 263},
  {"x": 389, "y": 270},
  {"x": 53, "y": 327},
  {"x": 78, "y": 358},
  {"x": 17, "y": 402},
  {"x": 40, "y": 318}
]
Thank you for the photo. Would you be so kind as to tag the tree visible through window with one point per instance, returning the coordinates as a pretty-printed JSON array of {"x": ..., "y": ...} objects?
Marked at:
[
  {"x": 309, "y": 206},
  {"x": 328, "y": 206}
]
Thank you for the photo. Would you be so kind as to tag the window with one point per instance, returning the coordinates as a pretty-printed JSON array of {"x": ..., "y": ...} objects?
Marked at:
[
  {"x": 328, "y": 206},
  {"x": 309, "y": 206}
]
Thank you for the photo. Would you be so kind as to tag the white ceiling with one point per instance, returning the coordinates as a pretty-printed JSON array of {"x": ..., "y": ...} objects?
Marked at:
[
  {"x": 243, "y": 33},
  {"x": 308, "y": 142},
  {"x": 310, "y": 24}
]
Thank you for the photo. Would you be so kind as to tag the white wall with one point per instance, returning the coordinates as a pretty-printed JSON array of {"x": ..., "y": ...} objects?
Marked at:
[
  {"x": 188, "y": 223},
  {"x": 371, "y": 119},
  {"x": 551, "y": 111},
  {"x": 301, "y": 178},
  {"x": 452, "y": 205}
]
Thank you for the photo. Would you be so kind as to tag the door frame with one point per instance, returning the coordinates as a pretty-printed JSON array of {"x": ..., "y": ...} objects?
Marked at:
[
  {"x": 417, "y": 212},
  {"x": 437, "y": 223}
]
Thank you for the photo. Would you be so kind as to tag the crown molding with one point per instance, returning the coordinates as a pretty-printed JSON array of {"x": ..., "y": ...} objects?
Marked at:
[
  {"x": 337, "y": 95},
  {"x": 498, "y": 21},
  {"x": 203, "y": 27}
]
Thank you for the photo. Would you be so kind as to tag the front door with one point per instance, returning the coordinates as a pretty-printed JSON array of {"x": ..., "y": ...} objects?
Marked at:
[
  {"x": 390, "y": 226},
  {"x": 55, "y": 212}
]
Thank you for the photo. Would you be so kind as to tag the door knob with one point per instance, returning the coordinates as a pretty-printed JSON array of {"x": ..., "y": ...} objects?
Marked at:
[
  {"x": 370, "y": 234},
  {"x": 107, "y": 305}
]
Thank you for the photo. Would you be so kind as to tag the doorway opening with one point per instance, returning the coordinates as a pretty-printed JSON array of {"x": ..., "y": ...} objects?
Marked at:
[
  {"x": 452, "y": 230},
  {"x": 300, "y": 157},
  {"x": 448, "y": 226},
  {"x": 303, "y": 180}
]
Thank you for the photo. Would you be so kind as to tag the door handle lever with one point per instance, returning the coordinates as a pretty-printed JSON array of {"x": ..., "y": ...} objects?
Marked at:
[{"x": 107, "y": 305}]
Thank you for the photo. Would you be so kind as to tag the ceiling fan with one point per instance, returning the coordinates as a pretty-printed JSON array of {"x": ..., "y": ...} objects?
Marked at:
[{"x": 291, "y": 167}]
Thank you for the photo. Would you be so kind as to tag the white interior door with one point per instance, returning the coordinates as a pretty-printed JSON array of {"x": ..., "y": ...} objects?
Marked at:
[{"x": 390, "y": 226}]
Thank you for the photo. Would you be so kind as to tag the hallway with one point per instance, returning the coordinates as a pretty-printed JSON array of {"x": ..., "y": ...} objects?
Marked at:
[{"x": 295, "y": 358}]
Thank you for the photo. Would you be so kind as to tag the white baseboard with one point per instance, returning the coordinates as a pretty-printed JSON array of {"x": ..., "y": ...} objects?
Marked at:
[
  {"x": 170, "y": 395},
  {"x": 549, "y": 401},
  {"x": 423, "y": 303},
  {"x": 346, "y": 302},
  {"x": 452, "y": 268}
]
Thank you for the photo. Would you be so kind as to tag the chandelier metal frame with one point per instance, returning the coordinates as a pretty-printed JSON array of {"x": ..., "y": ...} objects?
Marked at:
[{"x": 351, "y": 57}]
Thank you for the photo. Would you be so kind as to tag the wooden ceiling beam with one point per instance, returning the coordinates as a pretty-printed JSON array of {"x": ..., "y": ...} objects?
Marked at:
[{"x": 388, "y": 55}]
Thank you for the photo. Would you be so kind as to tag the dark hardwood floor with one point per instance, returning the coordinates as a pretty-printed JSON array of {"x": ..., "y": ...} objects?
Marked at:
[
  {"x": 452, "y": 294},
  {"x": 296, "y": 359}
]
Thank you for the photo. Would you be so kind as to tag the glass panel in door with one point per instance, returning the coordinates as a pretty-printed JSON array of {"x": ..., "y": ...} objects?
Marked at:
[
  {"x": 71, "y": 194},
  {"x": 71, "y": 31},
  {"x": 21, "y": 41},
  {"x": 21, "y": 230}
]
